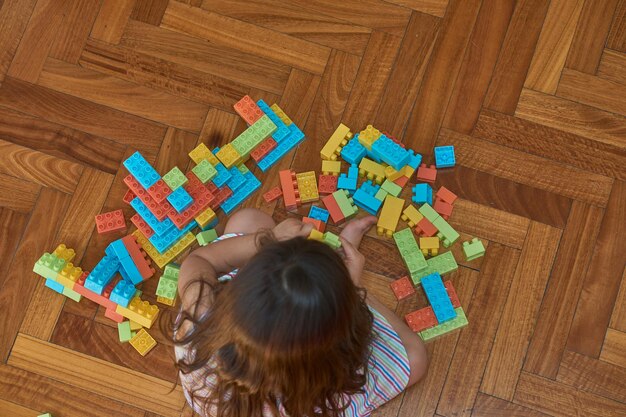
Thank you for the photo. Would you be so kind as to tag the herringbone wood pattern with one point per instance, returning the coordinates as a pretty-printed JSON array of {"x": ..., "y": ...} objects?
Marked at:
[{"x": 532, "y": 94}]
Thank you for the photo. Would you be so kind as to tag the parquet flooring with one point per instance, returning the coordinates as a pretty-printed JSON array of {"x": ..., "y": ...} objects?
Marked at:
[{"x": 532, "y": 94}]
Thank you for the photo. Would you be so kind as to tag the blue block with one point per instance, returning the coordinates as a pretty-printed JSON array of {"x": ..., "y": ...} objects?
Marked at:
[
  {"x": 236, "y": 179},
  {"x": 353, "y": 152},
  {"x": 122, "y": 293},
  {"x": 438, "y": 297},
  {"x": 128, "y": 269},
  {"x": 346, "y": 183},
  {"x": 163, "y": 243},
  {"x": 415, "y": 159},
  {"x": 294, "y": 139},
  {"x": 139, "y": 168},
  {"x": 245, "y": 191},
  {"x": 125, "y": 275},
  {"x": 422, "y": 193},
  {"x": 353, "y": 171},
  {"x": 180, "y": 199},
  {"x": 367, "y": 202},
  {"x": 390, "y": 152},
  {"x": 318, "y": 213},
  {"x": 53, "y": 285},
  {"x": 159, "y": 227},
  {"x": 282, "y": 130},
  {"x": 444, "y": 156},
  {"x": 369, "y": 188},
  {"x": 102, "y": 274},
  {"x": 223, "y": 175}
]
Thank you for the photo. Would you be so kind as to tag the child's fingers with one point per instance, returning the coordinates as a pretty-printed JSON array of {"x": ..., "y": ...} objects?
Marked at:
[{"x": 305, "y": 229}]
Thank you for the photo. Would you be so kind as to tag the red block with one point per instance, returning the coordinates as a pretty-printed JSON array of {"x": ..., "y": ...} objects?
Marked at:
[
  {"x": 194, "y": 184},
  {"x": 333, "y": 209},
  {"x": 327, "y": 184},
  {"x": 425, "y": 228},
  {"x": 110, "y": 313},
  {"x": 158, "y": 210},
  {"x": 263, "y": 149},
  {"x": 402, "y": 288},
  {"x": 142, "y": 226},
  {"x": 202, "y": 198},
  {"x": 402, "y": 181},
  {"x": 211, "y": 187},
  {"x": 110, "y": 222},
  {"x": 289, "y": 185},
  {"x": 421, "y": 319},
  {"x": 427, "y": 174},
  {"x": 446, "y": 195},
  {"x": 248, "y": 110},
  {"x": 222, "y": 195},
  {"x": 159, "y": 191},
  {"x": 272, "y": 194},
  {"x": 102, "y": 300},
  {"x": 318, "y": 224},
  {"x": 452, "y": 294},
  {"x": 139, "y": 257},
  {"x": 128, "y": 197},
  {"x": 444, "y": 209}
]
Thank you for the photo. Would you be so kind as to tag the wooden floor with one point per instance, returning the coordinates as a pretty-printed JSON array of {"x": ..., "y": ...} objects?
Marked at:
[{"x": 532, "y": 94}]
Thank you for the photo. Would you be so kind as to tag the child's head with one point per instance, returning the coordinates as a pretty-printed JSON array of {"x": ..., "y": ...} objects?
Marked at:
[{"x": 290, "y": 325}]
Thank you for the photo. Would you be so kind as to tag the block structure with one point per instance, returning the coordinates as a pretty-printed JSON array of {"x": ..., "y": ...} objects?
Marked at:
[
  {"x": 307, "y": 186},
  {"x": 410, "y": 252}
]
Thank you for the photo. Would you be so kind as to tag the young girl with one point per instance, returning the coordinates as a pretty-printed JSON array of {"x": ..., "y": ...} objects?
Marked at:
[{"x": 294, "y": 333}]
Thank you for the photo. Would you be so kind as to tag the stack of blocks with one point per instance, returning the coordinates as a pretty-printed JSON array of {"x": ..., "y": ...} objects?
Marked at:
[{"x": 167, "y": 288}]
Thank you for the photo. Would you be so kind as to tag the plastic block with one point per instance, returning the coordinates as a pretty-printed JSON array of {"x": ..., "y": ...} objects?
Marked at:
[
  {"x": 334, "y": 211},
  {"x": 438, "y": 297},
  {"x": 391, "y": 174},
  {"x": 353, "y": 152},
  {"x": 332, "y": 240},
  {"x": 167, "y": 288},
  {"x": 158, "y": 210},
  {"x": 167, "y": 240},
  {"x": 206, "y": 217},
  {"x": 102, "y": 300},
  {"x": 236, "y": 179},
  {"x": 128, "y": 269},
  {"x": 263, "y": 149},
  {"x": 69, "y": 275},
  {"x": 473, "y": 249},
  {"x": 415, "y": 159},
  {"x": 307, "y": 187},
  {"x": 444, "y": 156},
  {"x": 252, "y": 137},
  {"x": 446, "y": 195},
  {"x": 110, "y": 222},
  {"x": 143, "y": 172},
  {"x": 142, "y": 225},
  {"x": 370, "y": 188},
  {"x": 162, "y": 259},
  {"x": 139, "y": 311},
  {"x": 327, "y": 184},
  {"x": 444, "y": 328},
  {"x": 345, "y": 203},
  {"x": 281, "y": 114},
  {"x": 63, "y": 252},
  {"x": 289, "y": 186},
  {"x": 317, "y": 224},
  {"x": 128, "y": 196},
  {"x": 71, "y": 294},
  {"x": 175, "y": 178},
  {"x": 244, "y": 192},
  {"x": 381, "y": 195},
  {"x": 122, "y": 293},
  {"x": 172, "y": 271},
  {"x": 390, "y": 152},
  {"x": 391, "y": 188},
  {"x": 206, "y": 237},
  {"x": 445, "y": 232},
  {"x": 248, "y": 110},
  {"x": 408, "y": 171},
  {"x": 372, "y": 170},
  {"x": 367, "y": 202},
  {"x": 203, "y": 198},
  {"x": 389, "y": 216},
  {"x": 281, "y": 130},
  {"x": 402, "y": 288},
  {"x": 422, "y": 194},
  {"x": 49, "y": 266},
  {"x": 272, "y": 194},
  {"x": 331, "y": 167},
  {"x": 410, "y": 252},
  {"x": 429, "y": 212},
  {"x": 201, "y": 152},
  {"x": 159, "y": 191},
  {"x": 102, "y": 274},
  {"x": 180, "y": 199},
  {"x": 212, "y": 225},
  {"x": 53, "y": 285},
  {"x": 229, "y": 156},
  {"x": 222, "y": 195},
  {"x": 441, "y": 264},
  {"x": 111, "y": 314},
  {"x": 204, "y": 171},
  {"x": 444, "y": 209},
  {"x": 402, "y": 181},
  {"x": 319, "y": 214},
  {"x": 134, "y": 325},
  {"x": 316, "y": 235},
  {"x": 124, "y": 331},
  {"x": 292, "y": 140},
  {"x": 138, "y": 257},
  {"x": 425, "y": 228},
  {"x": 345, "y": 183},
  {"x": 143, "y": 342},
  {"x": 429, "y": 246},
  {"x": 421, "y": 319},
  {"x": 427, "y": 174},
  {"x": 159, "y": 227},
  {"x": 166, "y": 301},
  {"x": 368, "y": 136},
  {"x": 339, "y": 138},
  {"x": 454, "y": 298},
  {"x": 411, "y": 215}
]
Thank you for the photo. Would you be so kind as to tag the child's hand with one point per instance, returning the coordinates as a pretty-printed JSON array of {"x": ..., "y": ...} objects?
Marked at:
[
  {"x": 355, "y": 229},
  {"x": 290, "y": 228},
  {"x": 354, "y": 260}
]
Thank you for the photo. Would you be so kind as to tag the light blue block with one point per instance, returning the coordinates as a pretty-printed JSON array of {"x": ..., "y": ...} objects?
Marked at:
[
  {"x": 159, "y": 227},
  {"x": 163, "y": 243},
  {"x": 415, "y": 159},
  {"x": 318, "y": 213},
  {"x": 223, "y": 175},
  {"x": 122, "y": 293},
  {"x": 444, "y": 156},
  {"x": 422, "y": 193},
  {"x": 102, "y": 274},
  {"x": 369, "y": 187},
  {"x": 366, "y": 201},
  {"x": 282, "y": 130},
  {"x": 139, "y": 168},
  {"x": 244, "y": 192},
  {"x": 295, "y": 137},
  {"x": 128, "y": 269},
  {"x": 353, "y": 152},
  {"x": 180, "y": 199},
  {"x": 236, "y": 179},
  {"x": 390, "y": 152},
  {"x": 53, "y": 285},
  {"x": 345, "y": 183},
  {"x": 438, "y": 297}
]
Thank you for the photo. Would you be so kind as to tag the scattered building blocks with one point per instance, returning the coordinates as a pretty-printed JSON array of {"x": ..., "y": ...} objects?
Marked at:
[
  {"x": 293, "y": 139},
  {"x": 159, "y": 191},
  {"x": 205, "y": 237},
  {"x": 229, "y": 156},
  {"x": 333, "y": 209},
  {"x": 319, "y": 214},
  {"x": 402, "y": 288},
  {"x": 128, "y": 196},
  {"x": 421, "y": 319},
  {"x": 444, "y": 156},
  {"x": 175, "y": 178},
  {"x": 473, "y": 249},
  {"x": 367, "y": 201},
  {"x": 289, "y": 186},
  {"x": 206, "y": 217},
  {"x": 205, "y": 171},
  {"x": 425, "y": 228},
  {"x": 164, "y": 242},
  {"x": 142, "y": 225},
  {"x": 102, "y": 274},
  {"x": 368, "y": 136},
  {"x": 143, "y": 342},
  {"x": 331, "y": 167},
  {"x": 327, "y": 184},
  {"x": 422, "y": 193},
  {"x": 317, "y": 224},
  {"x": 444, "y": 209},
  {"x": 222, "y": 195},
  {"x": 410, "y": 252},
  {"x": 272, "y": 194},
  {"x": 124, "y": 331},
  {"x": 250, "y": 185},
  {"x": 444, "y": 328},
  {"x": 307, "y": 187},
  {"x": 446, "y": 195},
  {"x": 372, "y": 170},
  {"x": 345, "y": 203},
  {"x": 248, "y": 110},
  {"x": 454, "y": 298},
  {"x": 139, "y": 311},
  {"x": 445, "y": 233},
  {"x": 411, "y": 215},
  {"x": 391, "y": 188},
  {"x": 336, "y": 142},
  {"x": 332, "y": 240},
  {"x": 429, "y": 246},
  {"x": 389, "y": 216},
  {"x": 353, "y": 152},
  {"x": 281, "y": 114},
  {"x": 143, "y": 172},
  {"x": 110, "y": 222},
  {"x": 180, "y": 199},
  {"x": 427, "y": 174},
  {"x": 263, "y": 149},
  {"x": 201, "y": 152},
  {"x": 390, "y": 152},
  {"x": 438, "y": 297}
]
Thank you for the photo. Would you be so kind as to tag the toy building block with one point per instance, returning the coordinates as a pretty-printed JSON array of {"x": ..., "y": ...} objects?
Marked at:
[
  {"x": 319, "y": 214},
  {"x": 425, "y": 228},
  {"x": 370, "y": 188},
  {"x": 415, "y": 159},
  {"x": 307, "y": 186},
  {"x": 345, "y": 203},
  {"x": 272, "y": 194},
  {"x": 110, "y": 222},
  {"x": 367, "y": 201},
  {"x": 444, "y": 156},
  {"x": 167, "y": 288},
  {"x": 391, "y": 174},
  {"x": 441, "y": 264},
  {"x": 446, "y": 195},
  {"x": 368, "y": 136},
  {"x": 263, "y": 149},
  {"x": 159, "y": 191},
  {"x": 353, "y": 152},
  {"x": 175, "y": 178},
  {"x": 100, "y": 299},
  {"x": 317, "y": 224},
  {"x": 143, "y": 342},
  {"x": 331, "y": 167},
  {"x": 250, "y": 185},
  {"x": 402, "y": 288},
  {"x": 438, "y": 297},
  {"x": 205, "y": 237},
  {"x": 381, "y": 194},
  {"x": 333, "y": 209},
  {"x": 289, "y": 185},
  {"x": 139, "y": 311},
  {"x": 138, "y": 257},
  {"x": 444, "y": 209},
  {"x": 281, "y": 114},
  {"x": 134, "y": 325},
  {"x": 180, "y": 199},
  {"x": 390, "y": 152},
  {"x": 236, "y": 179},
  {"x": 222, "y": 195},
  {"x": 422, "y": 193},
  {"x": 166, "y": 257},
  {"x": 473, "y": 249},
  {"x": 158, "y": 210},
  {"x": 252, "y": 137},
  {"x": 248, "y": 110},
  {"x": 389, "y": 216},
  {"x": 223, "y": 175},
  {"x": 411, "y": 215},
  {"x": 444, "y": 328},
  {"x": 63, "y": 252},
  {"x": 293, "y": 139},
  {"x": 164, "y": 242},
  {"x": 421, "y": 319},
  {"x": 124, "y": 331},
  {"x": 71, "y": 294},
  {"x": 332, "y": 240},
  {"x": 202, "y": 200},
  {"x": 159, "y": 227},
  {"x": 206, "y": 217},
  {"x": 166, "y": 301},
  {"x": 345, "y": 183},
  {"x": 410, "y": 252},
  {"x": 391, "y": 188},
  {"x": 229, "y": 156},
  {"x": 53, "y": 285},
  {"x": 445, "y": 233},
  {"x": 201, "y": 152},
  {"x": 102, "y": 274},
  {"x": 402, "y": 181},
  {"x": 128, "y": 196},
  {"x": 142, "y": 225},
  {"x": 122, "y": 293},
  {"x": 336, "y": 142},
  {"x": 429, "y": 212},
  {"x": 316, "y": 235},
  {"x": 429, "y": 246},
  {"x": 279, "y": 129},
  {"x": 427, "y": 174},
  {"x": 204, "y": 171},
  {"x": 49, "y": 266},
  {"x": 454, "y": 298},
  {"x": 69, "y": 275},
  {"x": 327, "y": 184},
  {"x": 111, "y": 314},
  {"x": 372, "y": 170},
  {"x": 143, "y": 172}
]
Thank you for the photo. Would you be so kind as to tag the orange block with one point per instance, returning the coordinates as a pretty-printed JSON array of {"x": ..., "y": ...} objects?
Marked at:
[
  {"x": 138, "y": 256},
  {"x": 421, "y": 319},
  {"x": 289, "y": 184},
  {"x": 333, "y": 209},
  {"x": 318, "y": 224}
]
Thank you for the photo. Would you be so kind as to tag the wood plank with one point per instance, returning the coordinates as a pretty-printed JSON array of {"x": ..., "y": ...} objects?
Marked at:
[
  {"x": 295, "y": 21},
  {"x": 515, "y": 56},
  {"x": 616, "y": 38},
  {"x": 60, "y": 141},
  {"x": 15, "y": 410},
  {"x": 371, "y": 79},
  {"x": 17, "y": 195},
  {"x": 490, "y": 294},
  {"x": 551, "y": 143},
  {"x": 592, "y": 375},
  {"x": 123, "y": 95},
  {"x": 12, "y": 225},
  {"x": 378, "y": 286},
  {"x": 19, "y": 281},
  {"x": 432, "y": 7},
  {"x": 97, "y": 376},
  {"x": 37, "y": 40},
  {"x": 592, "y": 91},
  {"x": 572, "y": 117},
  {"x": 175, "y": 150},
  {"x": 488, "y": 406},
  {"x": 560, "y": 299},
  {"x": 602, "y": 281},
  {"x": 74, "y": 30},
  {"x": 82, "y": 115},
  {"x": 478, "y": 65},
  {"x": 520, "y": 312},
  {"x": 614, "y": 348},
  {"x": 39, "y": 167},
  {"x": 26, "y": 388},
  {"x": 558, "y": 399},
  {"x": 590, "y": 37},
  {"x": 214, "y": 59},
  {"x": 553, "y": 44},
  {"x": 534, "y": 171},
  {"x": 172, "y": 78},
  {"x": 613, "y": 66},
  {"x": 218, "y": 129},
  {"x": 149, "y": 11},
  {"x": 407, "y": 74},
  {"x": 247, "y": 38},
  {"x": 14, "y": 17},
  {"x": 111, "y": 20},
  {"x": 438, "y": 83},
  {"x": 618, "y": 318}
]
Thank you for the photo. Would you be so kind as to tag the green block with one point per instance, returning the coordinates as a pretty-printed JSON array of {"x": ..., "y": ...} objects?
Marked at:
[
  {"x": 253, "y": 136},
  {"x": 381, "y": 194},
  {"x": 172, "y": 270},
  {"x": 439, "y": 330},
  {"x": 124, "y": 332},
  {"x": 243, "y": 168},
  {"x": 167, "y": 287},
  {"x": 473, "y": 249},
  {"x": 446, "y": 233},
  {"x": 345, "y": 203},
  {"x": 410, "y": 252},
  {"x": 45, "y": 415},
  {"x": 204, "y": 171},
  {"x": 442, "y": 264},
  {"x": 391, "y": 188},
  {"x": 332, "y": 240},
  {"x": 429, "y": 212},
  {"x": 49, "y": 266},
  {"x": 70, "y": 293},
  {"x": 206, "y": 237},
  {"x": 175, "y": 178}
]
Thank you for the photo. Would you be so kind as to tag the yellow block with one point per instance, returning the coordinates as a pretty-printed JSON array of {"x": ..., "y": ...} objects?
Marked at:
[
  {"x": 139, "y": 311},
  {"x": 332, "y": 148},
  {"x": 408, "y": 171},
  {"x": 69, "y": 275},
  {"x": 316, "y": 235},
  {"x": 64, "y": 252},
  {"x": 307, "y": 187},
  {"x": 143, "y": 342},
  {"x": 368, "y": 136},
  {"x": 206, "y": 217},
  {"x": 392, "y": 174},
  {"x": 281, "y": 114},
  {"x": 163, "y": 259},
  {"x": 389, "y": 215},
  {"x": 135, "y": 326},
  {"x": 229, "y": 156},
  {"x": 372, "y": 170},
  {"x": 331, "y": 167},
  {"x": 411, "y": 215},
  {"x": 166, "y": 301},
  {"x": 429, "y": 246},
  {"x": 200, "y": 153}
]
